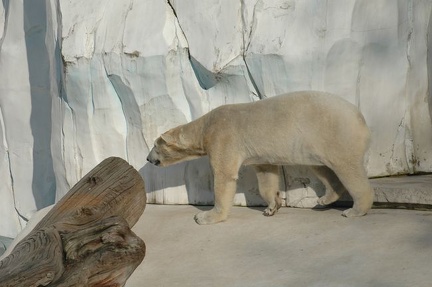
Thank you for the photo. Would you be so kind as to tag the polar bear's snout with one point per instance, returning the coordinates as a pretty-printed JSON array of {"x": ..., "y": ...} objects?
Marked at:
[
  {"x": 155, "y": 162},
  {"x": 152, "y": 158}
]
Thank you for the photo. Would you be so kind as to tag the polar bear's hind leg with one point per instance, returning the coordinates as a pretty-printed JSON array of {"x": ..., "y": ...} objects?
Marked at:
[
  {"x": 268, "y": 184},
  {"x": 333, "y": 187},
  {"x": 355, "y": 180}
]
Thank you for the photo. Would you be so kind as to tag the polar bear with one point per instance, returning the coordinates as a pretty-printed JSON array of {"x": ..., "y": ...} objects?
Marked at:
[{"x": 300, "y": 128}]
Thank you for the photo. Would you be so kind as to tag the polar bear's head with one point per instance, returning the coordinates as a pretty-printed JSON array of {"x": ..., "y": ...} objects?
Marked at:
[{"x": 173, "y": 147}]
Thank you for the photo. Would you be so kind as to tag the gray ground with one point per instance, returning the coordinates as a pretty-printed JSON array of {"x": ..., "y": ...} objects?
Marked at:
[{"x": 296, "y": 247}]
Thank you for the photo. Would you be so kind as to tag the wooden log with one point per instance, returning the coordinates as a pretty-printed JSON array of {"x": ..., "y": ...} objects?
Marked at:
[{"x": 86, "y": 239}]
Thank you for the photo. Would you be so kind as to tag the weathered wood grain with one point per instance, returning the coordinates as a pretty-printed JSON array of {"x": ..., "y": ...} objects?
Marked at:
[{"x": 85, "y": 240}]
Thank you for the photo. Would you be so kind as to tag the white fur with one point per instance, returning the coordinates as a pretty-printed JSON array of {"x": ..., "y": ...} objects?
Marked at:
[{"x": 300, "y": 128}]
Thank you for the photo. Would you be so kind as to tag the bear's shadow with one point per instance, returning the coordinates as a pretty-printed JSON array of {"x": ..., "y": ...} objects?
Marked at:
[{"x": 192, "y": 183}]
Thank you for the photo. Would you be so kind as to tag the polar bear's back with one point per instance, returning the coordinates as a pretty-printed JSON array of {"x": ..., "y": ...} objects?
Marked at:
[
  {"x": 303, "y": 109},
  {"x": 316, "y": 102},
  {"x": 299, "y": 128}
]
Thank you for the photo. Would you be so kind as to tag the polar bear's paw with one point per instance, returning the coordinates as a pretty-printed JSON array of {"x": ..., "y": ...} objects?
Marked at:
[
  {"x": 323, "y": 201},
  {"x": 273, "y": 206},
  {"x": 352, "y": 213},
  {"x": 208, "y": 217},
  {"x": 270, "y": 211},
  {"x": 326, "y": 200}
]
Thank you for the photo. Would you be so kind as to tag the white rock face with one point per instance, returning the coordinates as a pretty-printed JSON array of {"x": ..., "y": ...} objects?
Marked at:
[
  {"x": 29, "y": 78},
  {"x": 84, "y": 80}
]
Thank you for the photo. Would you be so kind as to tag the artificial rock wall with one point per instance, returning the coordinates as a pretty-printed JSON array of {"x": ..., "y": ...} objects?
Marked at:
[{"x": 83, "y": 80}]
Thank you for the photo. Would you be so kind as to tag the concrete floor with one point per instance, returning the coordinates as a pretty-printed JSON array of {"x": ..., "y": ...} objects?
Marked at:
[{"x": 296, "y": 247}]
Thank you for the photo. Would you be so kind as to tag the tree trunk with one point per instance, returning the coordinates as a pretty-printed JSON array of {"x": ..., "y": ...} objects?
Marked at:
[{"x": 85, "y": 240}]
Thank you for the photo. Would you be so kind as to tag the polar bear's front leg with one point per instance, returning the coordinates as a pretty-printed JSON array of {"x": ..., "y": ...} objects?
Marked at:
[{"x": 224, "y": 188}]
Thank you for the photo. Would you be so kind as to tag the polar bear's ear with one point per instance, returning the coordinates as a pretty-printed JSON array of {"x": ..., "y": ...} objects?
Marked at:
[{"x": 167, "y": 138}]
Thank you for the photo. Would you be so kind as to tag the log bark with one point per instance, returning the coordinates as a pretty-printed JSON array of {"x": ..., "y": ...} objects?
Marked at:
[{"x": 86, "y": 238}]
